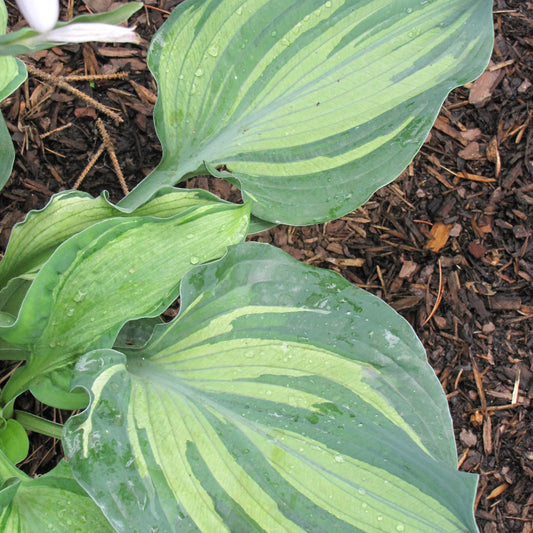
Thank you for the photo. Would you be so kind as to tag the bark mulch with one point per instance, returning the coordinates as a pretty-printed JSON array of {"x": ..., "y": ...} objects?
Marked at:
[{"x": 449, "y": 244}]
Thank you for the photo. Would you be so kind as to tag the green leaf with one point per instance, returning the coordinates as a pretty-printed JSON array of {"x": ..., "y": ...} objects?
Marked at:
[
  {"x": 13, "y": 441},
  {"x": 12, "y": 74},
  {"x": 67, "y": 213},
  {"x": 136, "y": 333},
  {"x": 12, "y": 295},
  {"x": 53, "y": 502},
  {"x": 281, "y": 398},
  {"x": 111, "y": 272},
  {"x": 23, "y": 41},
  {"x": 53, "y": 389},
  {"x": 311, "y": 105}
]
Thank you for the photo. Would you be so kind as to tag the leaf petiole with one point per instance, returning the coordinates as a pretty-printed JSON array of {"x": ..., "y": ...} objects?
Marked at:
[{"x": 35, "y": 423}]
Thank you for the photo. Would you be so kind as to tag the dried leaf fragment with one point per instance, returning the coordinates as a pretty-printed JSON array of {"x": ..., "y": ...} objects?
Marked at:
[
  {"x": 493, "y": 155},
  {"x": 438, "y": 236}
]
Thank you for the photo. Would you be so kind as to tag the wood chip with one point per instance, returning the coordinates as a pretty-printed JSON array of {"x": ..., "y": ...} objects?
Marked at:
[
  {"x": 471, "y": 152},
  {"x": 474, "y": 177},
  {"x": 482, "y": 89},
  {"x": 468, "y": 438},
  {"x": 497, "y": 491},
  {"x": 505, "y": 303},
  {"x": 438, "y": 236},
  {"x": 409, "y": 268}
]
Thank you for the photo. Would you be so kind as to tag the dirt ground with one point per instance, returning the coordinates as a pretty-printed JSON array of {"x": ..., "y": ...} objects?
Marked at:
[{"x": 448, "y": 244}]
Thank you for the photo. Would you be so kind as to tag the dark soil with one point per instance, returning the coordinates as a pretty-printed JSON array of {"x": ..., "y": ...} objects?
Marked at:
[{"x": 449, "y": 244}]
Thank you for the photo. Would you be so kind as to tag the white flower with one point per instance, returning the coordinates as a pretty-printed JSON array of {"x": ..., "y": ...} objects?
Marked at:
[
  {"x": 90, "y": 31},
  {"x": 42, "y": 16}
]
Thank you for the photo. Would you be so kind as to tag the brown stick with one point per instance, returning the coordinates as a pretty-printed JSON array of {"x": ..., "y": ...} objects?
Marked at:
[
  {"x": 111, "y": 151},
  {"x": 90, "y": 165},
  {"x": 61, "y": 83}
]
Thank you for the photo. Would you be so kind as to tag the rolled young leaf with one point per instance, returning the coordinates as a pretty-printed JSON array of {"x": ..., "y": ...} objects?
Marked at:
[
  {"x": 311, "y": 105},
  {"x": 281, "y": 398}
]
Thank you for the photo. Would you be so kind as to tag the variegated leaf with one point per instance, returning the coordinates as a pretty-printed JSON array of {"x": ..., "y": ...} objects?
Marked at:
[
  {"x": 53, "y": 503},
  {"x": 311, "y": 105},
  {"x": 281, "y": 398},
  {"x": 115, "y": 270}
]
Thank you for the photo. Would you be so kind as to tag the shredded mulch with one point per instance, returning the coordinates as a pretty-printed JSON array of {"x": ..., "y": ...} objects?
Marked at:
[{"x": 448, "y": 244}]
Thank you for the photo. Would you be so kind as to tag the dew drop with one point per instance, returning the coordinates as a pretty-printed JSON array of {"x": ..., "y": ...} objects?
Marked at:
[
  {"x": 213, "y": 51},
  {"x": 273, "y": 33},
  {"x": 361, "y": 490},
  {"x": 194, "y": 260},
  {"x": 239, "y": 11},
  {"x": 328, "y": 4},
  {"x": 339, "y": 459},
  {"x": 70, "y": 311},
  {"x": 409, "y": 10},
  {"x": 79, "y": 297},
  {"x": 199, "y": 72},
  {"x": 399, "y": 527}
]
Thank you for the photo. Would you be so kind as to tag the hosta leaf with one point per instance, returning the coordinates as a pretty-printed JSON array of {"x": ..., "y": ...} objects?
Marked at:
[
  {"x": 53, "y": 502},
  {"x": 113, "y": 271},
  {"x": 14, "y": 442},
  {"x": 12, "y": 74},
  {"x": 281, "y": 398},
  {"x": 53, "y": 389},
  {"x": 12, "y": 295},
  {"x": 67, "y": 213},
  {"x": 135, "y": 334},
  {"x": 311, "y": 105}
]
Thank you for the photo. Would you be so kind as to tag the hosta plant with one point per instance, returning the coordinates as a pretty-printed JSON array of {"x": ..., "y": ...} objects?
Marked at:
[{"x": 281, "y": 397}]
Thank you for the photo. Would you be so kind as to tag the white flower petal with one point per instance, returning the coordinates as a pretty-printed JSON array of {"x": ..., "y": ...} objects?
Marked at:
[
  {"x": 41, "y": 15},
  {"x": 90, "y": 31}
]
